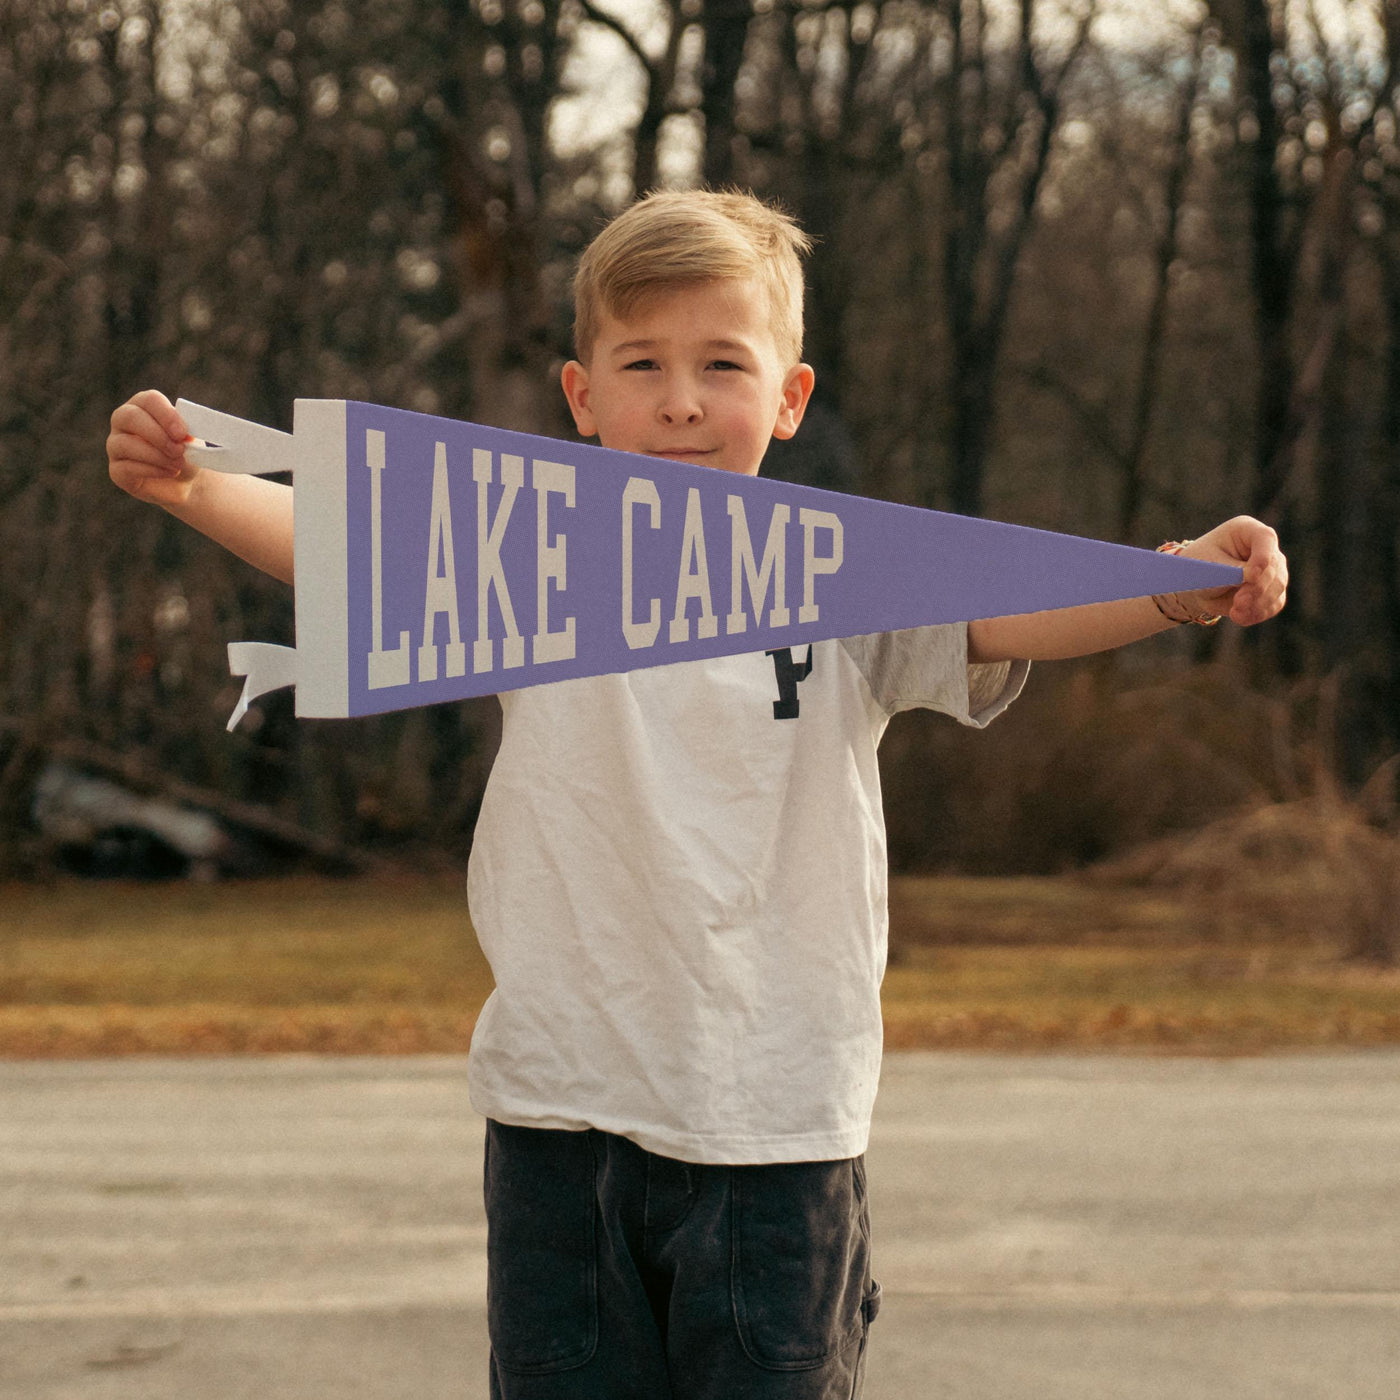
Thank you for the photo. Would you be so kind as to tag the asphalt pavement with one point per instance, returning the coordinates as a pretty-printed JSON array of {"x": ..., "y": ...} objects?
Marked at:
[{"x": 1046, "y": 1227}]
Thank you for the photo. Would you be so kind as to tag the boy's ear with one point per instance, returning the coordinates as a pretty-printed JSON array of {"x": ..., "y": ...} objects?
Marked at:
[
  {"x": 574, "y": 378},
  {"x": 797, "y": 390}
]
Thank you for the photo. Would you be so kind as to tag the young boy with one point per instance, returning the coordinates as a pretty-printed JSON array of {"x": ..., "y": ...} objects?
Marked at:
[{"x": 678, "y": 877}]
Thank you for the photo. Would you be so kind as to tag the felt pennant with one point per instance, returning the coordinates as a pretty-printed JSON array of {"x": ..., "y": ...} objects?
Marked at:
[{"x": 437, "y": 559}]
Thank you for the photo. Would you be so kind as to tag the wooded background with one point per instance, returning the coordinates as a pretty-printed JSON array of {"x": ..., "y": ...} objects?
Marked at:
[{"x": 1122, "y": 269}]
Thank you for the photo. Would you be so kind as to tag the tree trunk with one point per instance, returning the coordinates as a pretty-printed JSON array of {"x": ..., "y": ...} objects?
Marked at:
[{"x": 726, "y": 26}]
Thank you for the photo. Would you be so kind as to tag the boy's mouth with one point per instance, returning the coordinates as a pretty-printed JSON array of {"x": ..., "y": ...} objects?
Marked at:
[{"x": 681, "y": 454}]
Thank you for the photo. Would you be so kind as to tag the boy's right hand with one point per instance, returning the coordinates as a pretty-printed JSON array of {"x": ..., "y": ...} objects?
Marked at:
[{"x": 146, "y": 450}]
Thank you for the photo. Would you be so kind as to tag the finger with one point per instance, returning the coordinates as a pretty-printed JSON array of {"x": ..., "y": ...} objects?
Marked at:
[
  {"x": 153, "y": 402},
  {"x": 130, "y": 449},
  {"x": 150, "y": 414},
  {"x": 1260, "y": 542},
  {"x": 1254, "y": 604},
  {"x": 1268, "y": 578},
  {"x": 131, "y": 422}
]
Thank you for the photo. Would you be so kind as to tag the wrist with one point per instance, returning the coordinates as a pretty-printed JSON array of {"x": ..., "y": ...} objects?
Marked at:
[
  {"x": 1182, "y": 609},
  {"x": 190, "y": 491}
]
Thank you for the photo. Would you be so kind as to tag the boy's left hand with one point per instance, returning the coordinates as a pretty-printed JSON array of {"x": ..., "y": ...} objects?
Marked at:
[{"x": 1253, "y": 546}]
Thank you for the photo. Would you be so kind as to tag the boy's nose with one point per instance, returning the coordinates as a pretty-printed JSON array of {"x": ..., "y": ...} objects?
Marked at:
[{"x": 680, "y": 404}]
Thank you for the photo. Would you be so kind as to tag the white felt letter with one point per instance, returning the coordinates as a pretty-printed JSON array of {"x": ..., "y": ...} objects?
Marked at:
[
  {"x": 638, "y": 492},
  {"x": 694, "y": 582},
  {"x": 814, "y": 563},
  {"x": 488, "y": 560},
  {"x": 386, "y": 668},
  {"x": 741, "y": 565},
  {"x": 551, "y": 561},
  {"x": 441, "y": 594}
]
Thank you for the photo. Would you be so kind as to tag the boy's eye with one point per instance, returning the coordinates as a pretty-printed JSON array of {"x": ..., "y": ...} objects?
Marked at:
[
  {"x": 640, "y": 364},
  {"x": 724, "y": 364}
]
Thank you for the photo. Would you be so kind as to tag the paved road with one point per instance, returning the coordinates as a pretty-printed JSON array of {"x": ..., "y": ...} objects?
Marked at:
[{"x": 1047, "y": 1227}]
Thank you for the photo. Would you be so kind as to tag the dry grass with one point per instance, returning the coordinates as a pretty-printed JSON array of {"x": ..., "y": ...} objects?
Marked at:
[
  {"x": 1032, "y": 910},
  {"x": 1201, "y": 999},
  {"x": 333, "y": 967},
  {"x": 1311, "y": 870},
  {"x": 277, "y": 944},
  {"x": 109, "y": 1029},
  {"x": 359, "y": 967},
  {"x": 1276, "y": 926}
]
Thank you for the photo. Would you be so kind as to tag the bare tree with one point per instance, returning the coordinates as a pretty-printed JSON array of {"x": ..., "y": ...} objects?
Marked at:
[
  {"x": 997, "y": 135},
  {"x": 1127, "y": 445}
]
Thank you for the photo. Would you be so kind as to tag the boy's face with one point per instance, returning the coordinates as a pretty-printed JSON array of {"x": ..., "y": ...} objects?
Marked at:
[{"x": 694, "y": 375}]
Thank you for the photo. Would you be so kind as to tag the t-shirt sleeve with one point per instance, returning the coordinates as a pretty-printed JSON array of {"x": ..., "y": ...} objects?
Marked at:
[{"x": 926, "y": 668}]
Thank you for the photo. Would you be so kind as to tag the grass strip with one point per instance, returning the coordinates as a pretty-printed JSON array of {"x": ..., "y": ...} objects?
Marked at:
[{"x": 360, "y": 967}]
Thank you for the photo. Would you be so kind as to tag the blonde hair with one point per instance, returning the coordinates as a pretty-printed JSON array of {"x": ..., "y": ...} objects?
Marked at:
[{"x": 683, "y": 238}]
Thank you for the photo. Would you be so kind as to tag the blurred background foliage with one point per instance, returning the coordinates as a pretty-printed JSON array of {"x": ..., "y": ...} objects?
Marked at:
[{"x": 1108, "y": 266}]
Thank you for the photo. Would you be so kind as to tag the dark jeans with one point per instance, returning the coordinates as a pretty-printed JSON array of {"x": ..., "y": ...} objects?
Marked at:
[{"x": 616, "y": 1274}]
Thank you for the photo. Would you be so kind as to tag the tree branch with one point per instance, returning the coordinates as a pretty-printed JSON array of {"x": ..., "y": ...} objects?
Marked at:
[{"x": 595, "y": 15}]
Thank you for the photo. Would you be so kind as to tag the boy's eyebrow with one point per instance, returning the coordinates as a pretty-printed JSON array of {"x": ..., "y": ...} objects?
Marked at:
[{"x": 630, "y": 346}]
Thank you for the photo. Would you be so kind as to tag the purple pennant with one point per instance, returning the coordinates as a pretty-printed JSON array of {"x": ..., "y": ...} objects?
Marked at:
[{"x": 438, "y": 559}]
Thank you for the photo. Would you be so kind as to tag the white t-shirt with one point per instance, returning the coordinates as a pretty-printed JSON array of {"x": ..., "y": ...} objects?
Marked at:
[{"x": 683, "y": 897}]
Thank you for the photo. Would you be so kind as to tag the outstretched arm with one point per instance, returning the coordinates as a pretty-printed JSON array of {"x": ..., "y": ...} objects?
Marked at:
[
  {"x": 1052, "y": 636},
  {"x": 247, "y": 515}
]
